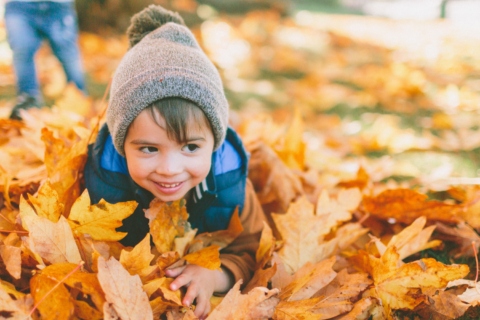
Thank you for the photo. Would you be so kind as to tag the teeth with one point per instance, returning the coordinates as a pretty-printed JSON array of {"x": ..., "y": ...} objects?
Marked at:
[{"x": 166, "y": 185}]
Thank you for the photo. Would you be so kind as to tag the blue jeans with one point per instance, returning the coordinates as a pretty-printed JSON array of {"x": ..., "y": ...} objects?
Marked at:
[{"x": 27, "y": 24}]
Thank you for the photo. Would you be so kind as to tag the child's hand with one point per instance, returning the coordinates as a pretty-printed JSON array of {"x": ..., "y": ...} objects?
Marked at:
[{"x": 201, "y": 284}]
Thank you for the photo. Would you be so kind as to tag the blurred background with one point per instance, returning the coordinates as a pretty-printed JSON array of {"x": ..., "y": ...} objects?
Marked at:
[{"x": 371, "y": 78}]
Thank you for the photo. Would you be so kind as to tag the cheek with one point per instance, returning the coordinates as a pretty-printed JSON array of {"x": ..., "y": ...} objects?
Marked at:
[{"x": 201, "y": 167}]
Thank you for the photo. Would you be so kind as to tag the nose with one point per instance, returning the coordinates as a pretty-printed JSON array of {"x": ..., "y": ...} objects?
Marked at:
[{"x": 169, "y": 165}]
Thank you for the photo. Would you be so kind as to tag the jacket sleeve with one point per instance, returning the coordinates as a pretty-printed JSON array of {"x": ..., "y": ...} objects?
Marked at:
[{"x": 239, "y": 256}]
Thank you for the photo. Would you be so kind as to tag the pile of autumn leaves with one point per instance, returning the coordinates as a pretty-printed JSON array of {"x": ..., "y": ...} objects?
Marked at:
[{"x": 318, "y": 257}]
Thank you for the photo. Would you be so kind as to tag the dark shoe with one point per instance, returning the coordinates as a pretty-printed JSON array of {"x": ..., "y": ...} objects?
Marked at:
[{"x": 24, "y": 102}]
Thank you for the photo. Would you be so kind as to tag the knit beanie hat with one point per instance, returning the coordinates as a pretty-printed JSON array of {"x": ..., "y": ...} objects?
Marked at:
[{"x": 164, "y": 60}]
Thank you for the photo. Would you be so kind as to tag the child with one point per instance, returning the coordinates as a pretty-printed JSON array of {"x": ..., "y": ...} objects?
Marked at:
[{"x": 167, "y": 136}]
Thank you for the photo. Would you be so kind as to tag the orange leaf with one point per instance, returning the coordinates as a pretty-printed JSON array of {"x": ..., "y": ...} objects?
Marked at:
[
  {"x": 405, "y": 205},
  {"x": 208, "y": 257},
  {"x": 47, "y": 202}
]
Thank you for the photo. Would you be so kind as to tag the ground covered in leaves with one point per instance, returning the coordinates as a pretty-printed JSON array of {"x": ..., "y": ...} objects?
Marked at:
[{"x": 364, "y": 155}]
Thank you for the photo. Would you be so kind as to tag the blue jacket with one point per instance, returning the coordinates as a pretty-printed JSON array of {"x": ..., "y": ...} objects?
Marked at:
[{"x": 214, "y": 200}]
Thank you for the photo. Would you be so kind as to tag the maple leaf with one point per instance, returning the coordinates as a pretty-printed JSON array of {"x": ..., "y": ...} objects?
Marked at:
[
  {"x": 137, "y": 261},
  {"x": 64, "y": 163},
  {"x": 123, "y": 292},
  {"x": 52, "y": 241},
  {"x": 47, "y": 202},
  {"x": 208, "y": 257},
  {"x": 410, "y": 240},
  {"x": 303, "y": 232},
  {"x": 99, "y": 220},
  {"x": 167, "y": 221},
  {"x": 259, "y": 303},
  {"x": 401, "y": 287},
  {"x": 64, "y": 273},
  {"x": 405, "y": 205},
  {"x": 444, "y": 304}
]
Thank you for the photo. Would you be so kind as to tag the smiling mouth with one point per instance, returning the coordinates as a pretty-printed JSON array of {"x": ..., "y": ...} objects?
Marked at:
[{"x": 168, "y": 185}]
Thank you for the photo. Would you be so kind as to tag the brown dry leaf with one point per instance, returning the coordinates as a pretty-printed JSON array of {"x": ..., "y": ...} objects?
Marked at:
[
  {"x": 444, "y": 305},
  {"x": 220, "y": 238},
  {"x": 471, "y": 294},
  {"x": 307, "y": 284},
  {"x": 167, "y": 221},
  {"x": 405, "y": 205},
  {"x": 208, "y": 257},
  {"x": 181, "y": 315},
  {"x": 123, "y": 291},
  {"x": 275, "y": 184},
  {"x": 257, "y": 304},
  {"x": 12, "y": 258},
  {"x": 54, "y": 242},
  {"x": 137, "y": 261},
  {"x": 16, "y": 309},
  {"x": 99, "y": 220},
  {"x": 463, "y": 235},
  {"x": 47, "y": 202},
  {"x": 401, "y": 287}
]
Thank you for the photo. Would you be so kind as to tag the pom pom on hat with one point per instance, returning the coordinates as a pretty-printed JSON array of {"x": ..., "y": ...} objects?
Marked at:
[
  {"x": 164, "y": 61},
  {"x": 149, "y": 19}
]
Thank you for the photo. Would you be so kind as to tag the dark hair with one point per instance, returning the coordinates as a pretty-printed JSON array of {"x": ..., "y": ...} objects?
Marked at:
[{"x": 178, "y": 113}]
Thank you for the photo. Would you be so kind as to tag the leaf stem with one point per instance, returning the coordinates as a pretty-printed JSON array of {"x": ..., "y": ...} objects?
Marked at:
[{"x": 55, "y": 287}]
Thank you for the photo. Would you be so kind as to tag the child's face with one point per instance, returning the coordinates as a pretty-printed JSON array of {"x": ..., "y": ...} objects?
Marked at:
[{"x": 162, "y": 166}]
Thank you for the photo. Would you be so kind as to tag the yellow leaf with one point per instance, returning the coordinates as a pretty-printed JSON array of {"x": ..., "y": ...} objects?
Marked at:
[
  {"x": 137, "y": 261},
  {"x": 400, "y": 287},
  {"x": 52, "y": 241},
  {"x": 99, "y": 220},
  {"x": 47, "y": 203},
  {"x": 208, "y": 257},
  {"x": 171, "y": 298},
  {"x": 167, "y": 221},
  {"x": 123, "y": 291}
]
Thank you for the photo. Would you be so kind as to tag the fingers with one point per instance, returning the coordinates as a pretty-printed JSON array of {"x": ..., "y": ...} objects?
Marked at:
[
  {"x": 180, "y": 281},
  {"x": 175, "y": 272},
  {"x": 202, "y": 307}
]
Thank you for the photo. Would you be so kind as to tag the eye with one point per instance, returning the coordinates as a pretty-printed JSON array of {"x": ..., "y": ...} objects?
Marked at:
[
  {"x": 191, "y": 147},
  {"x": 148, "y": 149}
]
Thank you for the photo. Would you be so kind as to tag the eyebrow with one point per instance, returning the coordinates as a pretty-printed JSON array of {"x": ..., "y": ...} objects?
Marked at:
[{"x": 146, "y": 142}]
